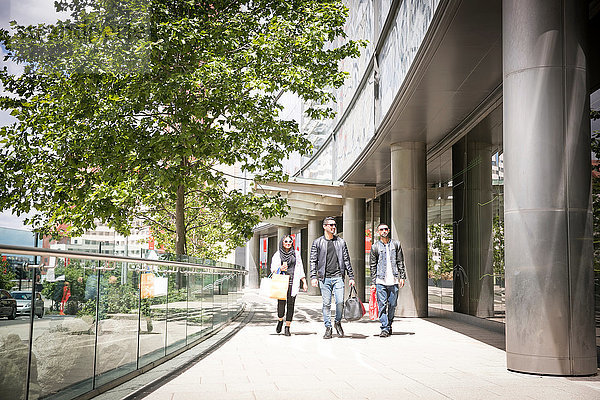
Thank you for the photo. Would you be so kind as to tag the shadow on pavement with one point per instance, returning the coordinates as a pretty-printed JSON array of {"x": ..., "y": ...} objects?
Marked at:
[
  {"x": 483, "y": 335},
  {"x": 352, "y": 336}
]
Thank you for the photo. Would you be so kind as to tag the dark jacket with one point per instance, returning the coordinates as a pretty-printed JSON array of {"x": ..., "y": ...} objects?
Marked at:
[
  {"x": 318, "y": 257},
  {"x": 378, "y": 264}
]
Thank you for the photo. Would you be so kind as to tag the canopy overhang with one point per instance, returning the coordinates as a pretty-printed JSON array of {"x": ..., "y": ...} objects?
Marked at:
[{"x": 310, "y": 199}]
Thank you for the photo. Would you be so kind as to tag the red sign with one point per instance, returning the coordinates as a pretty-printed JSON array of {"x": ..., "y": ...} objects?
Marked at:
[{"x": 368, "y": 241}]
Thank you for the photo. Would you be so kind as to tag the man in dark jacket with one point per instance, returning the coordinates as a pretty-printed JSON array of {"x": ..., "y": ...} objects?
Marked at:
[
  {"x": 329, "y": 263},
  {"x": 387, "y": 276}
]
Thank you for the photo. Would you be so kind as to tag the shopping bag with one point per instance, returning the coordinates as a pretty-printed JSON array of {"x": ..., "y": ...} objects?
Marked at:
[
  {"x": 265, "y": 287},
  {"x": 279, "y": 286},
  {"x": 373, "y": 307},
  {"x": 354, "y": 309}
]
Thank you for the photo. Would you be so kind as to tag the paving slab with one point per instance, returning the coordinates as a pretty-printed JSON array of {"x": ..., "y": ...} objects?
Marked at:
[{"x": 432, "y": 358}]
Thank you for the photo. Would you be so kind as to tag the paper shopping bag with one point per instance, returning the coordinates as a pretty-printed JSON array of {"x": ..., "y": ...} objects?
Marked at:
[
  {"x": 265, "y": 287},
  {"x": 279, "y": 286}
]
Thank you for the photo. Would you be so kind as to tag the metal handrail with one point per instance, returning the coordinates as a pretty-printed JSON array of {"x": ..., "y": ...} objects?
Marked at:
[{"x": 36, "y": 251}]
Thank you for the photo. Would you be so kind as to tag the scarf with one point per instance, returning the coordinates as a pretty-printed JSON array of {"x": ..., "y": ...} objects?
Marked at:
[{"x": 288, "y": 256}]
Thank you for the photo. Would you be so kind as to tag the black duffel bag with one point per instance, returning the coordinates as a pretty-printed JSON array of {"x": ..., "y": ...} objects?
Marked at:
[{"x": 354, "y": 309}]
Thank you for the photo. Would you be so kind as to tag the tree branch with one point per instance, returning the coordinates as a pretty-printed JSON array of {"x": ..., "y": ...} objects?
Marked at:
[
  {"x": 161, "y": 225},
  {"x": 231, "y": 175}
]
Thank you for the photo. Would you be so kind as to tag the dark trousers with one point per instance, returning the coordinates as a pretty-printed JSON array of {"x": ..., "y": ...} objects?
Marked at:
[{"x": 286, "y": 307}]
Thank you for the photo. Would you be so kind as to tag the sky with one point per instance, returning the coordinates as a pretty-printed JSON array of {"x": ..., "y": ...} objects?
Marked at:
[{"x": 24, "y": 12}]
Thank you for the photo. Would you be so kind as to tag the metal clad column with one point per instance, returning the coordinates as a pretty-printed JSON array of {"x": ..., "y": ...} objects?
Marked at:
[
  {"x": 281, "y": 232},
  {"x": 409, "y": 223},
  {"x": 472, "y": 229},
  {"x": 315, "y": 229},
  {"x": 354, "y": 235},
  {"x": 253, "y": 261},
  {"x": 549, "y": 275}
]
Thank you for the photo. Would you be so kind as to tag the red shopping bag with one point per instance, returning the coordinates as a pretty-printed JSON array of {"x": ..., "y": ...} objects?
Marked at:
[{"x": 373, "y": 308}]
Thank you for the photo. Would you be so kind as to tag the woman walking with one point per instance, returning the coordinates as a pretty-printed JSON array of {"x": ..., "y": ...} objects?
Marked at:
[{"x": 289, "y": 262}]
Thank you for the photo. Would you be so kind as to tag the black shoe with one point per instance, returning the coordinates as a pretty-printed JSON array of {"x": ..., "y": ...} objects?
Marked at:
[
  {"x": 338, "y": 328},
  {"x": 390, "y": 330},
  {"x": 286, "y": 332},
  {"x": 327, "y": 334},
  {"x": 384, "y": 334},
  {"x": 279, "y": 325}
]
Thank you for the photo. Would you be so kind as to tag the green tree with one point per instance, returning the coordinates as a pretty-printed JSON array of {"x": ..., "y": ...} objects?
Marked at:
[
  {"x": 498, "y": 243},
  {"x": 6, "y": 275},
  {"x": 209, "y": 235},
  {"x": 133, "y": 104},
  {"x": 441, "y": 241}
]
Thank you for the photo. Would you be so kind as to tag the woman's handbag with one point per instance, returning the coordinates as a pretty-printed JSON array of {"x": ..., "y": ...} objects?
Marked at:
[
  {"x": 279, "y": 286},
  {"x": 354, "y": 309},
  {"x": 373, "y": 307}
]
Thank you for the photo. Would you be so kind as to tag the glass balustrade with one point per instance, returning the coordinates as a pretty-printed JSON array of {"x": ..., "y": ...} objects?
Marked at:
[{"x": 105, "y": 317}]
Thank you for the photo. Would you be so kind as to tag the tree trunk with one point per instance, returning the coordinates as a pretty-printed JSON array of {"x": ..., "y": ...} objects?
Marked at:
[
  {"x": 180, "y": 232},
  {"x": 180, "y": 221}
]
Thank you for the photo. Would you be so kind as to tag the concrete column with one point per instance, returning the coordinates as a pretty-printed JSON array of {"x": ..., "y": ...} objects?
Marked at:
[
  {"x": 281, "y": 232},
  {"x": 304, "y": 249},
  {"x": 315, "y": 229},
  {"x": 409, "y": 223},
  {"x": 354, "y": 235},
  {"x": 253, "y": 263},
  {"x": 472, "y": 215},
  {"x": 547, "y": 215}
]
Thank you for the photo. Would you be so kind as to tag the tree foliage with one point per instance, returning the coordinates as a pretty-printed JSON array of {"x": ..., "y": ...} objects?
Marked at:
[
  {"x": 208, "y": 233},
  {"x": 441, "y": 243},
  {"x": 128, "y": 107},
  {"x": 6, "y": 275},
  {"x": 498, "y": 243}
]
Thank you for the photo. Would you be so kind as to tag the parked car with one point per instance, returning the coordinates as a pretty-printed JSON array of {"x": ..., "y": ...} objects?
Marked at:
[
  {"x": 23, "y": 298},
  {"x": 8, "y": 305}
]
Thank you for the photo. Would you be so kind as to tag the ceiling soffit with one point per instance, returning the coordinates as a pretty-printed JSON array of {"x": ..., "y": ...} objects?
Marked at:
[{"x": 311, "y": 199}]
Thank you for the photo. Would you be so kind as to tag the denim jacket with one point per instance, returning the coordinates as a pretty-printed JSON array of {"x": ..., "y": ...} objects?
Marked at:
[
  {"x": 378, "y": 260},
  {"x": 318, "y": 257}
]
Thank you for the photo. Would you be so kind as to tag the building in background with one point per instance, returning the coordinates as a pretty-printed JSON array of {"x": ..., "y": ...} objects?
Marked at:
[
  {"x": 472, "y": 115},
  {"x": 105, "y": 240}
]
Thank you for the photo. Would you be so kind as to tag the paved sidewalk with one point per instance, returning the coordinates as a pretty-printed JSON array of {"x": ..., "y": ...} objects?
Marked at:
[{"x": 432, "y": 358}]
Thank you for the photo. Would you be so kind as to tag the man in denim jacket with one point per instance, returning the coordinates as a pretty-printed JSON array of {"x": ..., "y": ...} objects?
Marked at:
[
  {"x": 387, "y": 276},
  {"x": 329, "y": 263}
]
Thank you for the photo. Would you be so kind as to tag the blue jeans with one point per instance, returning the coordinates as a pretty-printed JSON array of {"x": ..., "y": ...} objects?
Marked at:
[
  {"x": 387, "y": 298},
  {"x": 329, "y": 286}
]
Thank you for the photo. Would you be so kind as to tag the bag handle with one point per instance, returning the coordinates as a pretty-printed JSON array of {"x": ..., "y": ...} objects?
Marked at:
[
  {"x": 276, "y": 272},
  {"x": 271, "y": 274},
  {"x": 353, "y": 288}
]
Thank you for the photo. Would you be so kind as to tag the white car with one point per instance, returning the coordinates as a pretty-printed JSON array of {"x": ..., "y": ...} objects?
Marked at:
[{"x": 23, "y": 298}]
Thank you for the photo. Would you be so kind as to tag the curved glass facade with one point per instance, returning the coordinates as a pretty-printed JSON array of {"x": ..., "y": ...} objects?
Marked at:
[
  {"x": 401, "y": 45},
  {"x": 356, "y": 120}
]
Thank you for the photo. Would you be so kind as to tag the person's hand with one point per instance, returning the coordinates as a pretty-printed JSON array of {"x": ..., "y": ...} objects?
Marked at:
[
  {"x": 284, "y": 266},
  {"x": 401, "y": 283},
  {"x": 304, "y": 285},
  {"x": 372, "y": 287},
  {"x": 314, "y": 282},
  {"x": 351, "y": 282}
]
